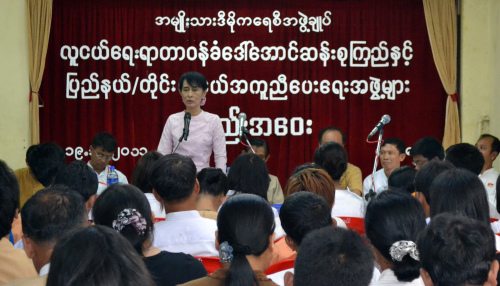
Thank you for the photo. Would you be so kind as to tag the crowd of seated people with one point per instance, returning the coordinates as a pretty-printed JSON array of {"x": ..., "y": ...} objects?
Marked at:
[{"x": 435, "y": 224}]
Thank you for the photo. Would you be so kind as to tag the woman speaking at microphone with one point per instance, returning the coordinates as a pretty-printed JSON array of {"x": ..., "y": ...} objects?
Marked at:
[{"x": 205, "y": 129}]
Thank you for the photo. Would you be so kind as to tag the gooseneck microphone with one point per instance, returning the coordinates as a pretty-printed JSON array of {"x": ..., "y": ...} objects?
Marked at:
[
  {"x": 242, "y": 117},
  {"x": 385, "y": 119},
  {"x": 187, "y": 121}
]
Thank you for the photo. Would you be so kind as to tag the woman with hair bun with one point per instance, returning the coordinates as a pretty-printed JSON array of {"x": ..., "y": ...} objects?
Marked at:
[{"x": 213, "y": 191}]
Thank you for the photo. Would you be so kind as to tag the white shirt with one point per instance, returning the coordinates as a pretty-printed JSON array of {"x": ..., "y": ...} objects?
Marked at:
[
  {"x": 387, "y": 277},
  {"x": 44, "y": 270},
  {"x": 186, "y": 232},
  {"x": 489, "y": 179},
  {"x": 495, "y": 226},
  {"x": 279, "y": 277},
  {"x": 103, "y": 178},
  {"x": 156, "y": 207},
  {"x": 340, "y": 222},
  {"x": 348, "y": 204},
  {"x": 380, "y": 182}
]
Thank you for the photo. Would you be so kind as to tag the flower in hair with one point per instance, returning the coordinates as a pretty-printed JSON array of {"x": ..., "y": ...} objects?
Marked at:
[
  {"x": 130, "y": 217},
  {"x": 225, "y": 253},
  {"x": 400, "y": 249}
]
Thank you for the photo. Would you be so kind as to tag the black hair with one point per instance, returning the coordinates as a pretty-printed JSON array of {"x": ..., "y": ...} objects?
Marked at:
[
  {"x": 390, "y": 217},
  {"x": 258, "y": 142},
  {"x": 45, "y": 160},
  {"x": 428, "y": 147},
  {"x": 495, "y": 145},
  {"x": 245, "y": 222},
  {"x": 51, "y": 213},
  {"x": 30, "y": 151},
  {"x": 113, "y": 201},
  {"x": 333, "y": 255},
  {"x": 249, "y": 175},
  {"x": 330, "y": 128},
  {"x": 400, "y": 145},
  {"x": 461, "y": 192},
  {"x": 213, "y": 182},
  {"x": 106, "y": 141},
  {"x": 9, "y": 198},
  {"x": 94, "y": 256},
  {"x": 193, "y": 79},
  {"x": 403, "y": 178},
  {"x": 467, "y": 156},
  {"x": 140, "y": 175},
  {"x": 457, "y": 250},
  {"x": 173, "y": 177},
  {"x": 79, "y": 177},
  {"x": 426, "y": 175},
  {"x": 333, "y": 158},
  {"x": 302, "y": 167},
  {"x": 302, "y": 213}
]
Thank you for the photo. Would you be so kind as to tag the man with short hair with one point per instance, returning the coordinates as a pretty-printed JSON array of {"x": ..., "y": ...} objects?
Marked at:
[
  {"x": 456, "y": 250},
  {"x": 101, "y": 152},
  {"x": 489, "y": 146},
  {"x": 465, "y": 156},
  {"x": 425, "y": 150},
  {"x": 261, "y": 148},
  {"x": 352, "y": 177},
  {"x": 184, "y": 230},
  {"x": 392, "y": 153}
]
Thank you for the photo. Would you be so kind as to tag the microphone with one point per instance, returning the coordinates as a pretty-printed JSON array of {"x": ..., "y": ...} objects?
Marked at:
[
  {"x": 242, "y": 117},
  {"x": 385, "y": 119},
  {"x": 187, "y": 121}
]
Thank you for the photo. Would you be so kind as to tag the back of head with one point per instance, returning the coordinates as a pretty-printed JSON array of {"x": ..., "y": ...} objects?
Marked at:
[
  {"x": 213, "y": 182},
  {"x": 461, "y": 192},
  {"x": 330, "y": 128},
  {"x": 194, "y": 79},
  {"x": 392, "y": 219},
  {"x": 106, "y": 141},
  {"x": 45, "y": 160},
  {"x": 333, "y": 158},
  {"x": 140, "y": 175},
  {"x": 302, "y": 213},
  {"x": 429, "y": 148},
  {"x": 173, "y": 177},
  {"x": 316, "y": 181},
  {"x": 403, "y": 178},
  {"x": 79, "y": 177},
  {"x": 246, "y": 223},
  {"x": 9, "y": 198},
  {"x": 51, "y": 213},
  {"x": 466, "y": 156},
  {"x": 426, "y": 175},
  {"x": 400, "y": 145},
  {"x": 107, "y": 259},
  {"x": 305, "y": 166},
  {"x": 258, "y": 142},
  {"x": 249, "y": 175},
  {"x": 457, "y": 250},
  {"x": 126, "y": 209},
  {"x": 333, "y": 256}
]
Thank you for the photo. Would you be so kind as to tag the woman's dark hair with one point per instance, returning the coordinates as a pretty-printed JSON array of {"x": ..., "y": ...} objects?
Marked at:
[
  {"x": 96, "y": 255},
  {"x": 459, "y": 191},
  {"x": 403, "y": 178},
  {"x": 316, "y": 181},
  {"x": 113, "y": 201},
  {"x": 333, "y": 158},
  {"x": 249, "y": 175},
  {"x": 246, "y": 223},
  {"x": 193, "y": 79},
  {"x": 392, "y": 216},
  {"x": 213, "y": 182},
  {"x": 140, "y": 176}
]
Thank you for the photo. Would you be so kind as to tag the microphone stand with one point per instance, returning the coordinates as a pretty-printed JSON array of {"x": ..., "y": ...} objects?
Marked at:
[
  {"x": 183, "y": 136},
  {"x": 244, "y": 136},
  {"x": 371, "y": 193}
]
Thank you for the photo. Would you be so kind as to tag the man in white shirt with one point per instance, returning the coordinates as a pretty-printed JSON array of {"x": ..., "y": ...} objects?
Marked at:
[
  {"x": 101, "y": 153},
  {"x": 184, "y": 230},
  {"x": 489, "y": 146},
  {"x": 392, "y": 153}
]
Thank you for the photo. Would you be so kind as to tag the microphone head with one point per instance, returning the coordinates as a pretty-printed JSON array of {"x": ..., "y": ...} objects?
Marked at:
[
  {"x": 386, "y": 119},
  {"x": 242, "y": 116},
  {"x": 187, "y": 115}
]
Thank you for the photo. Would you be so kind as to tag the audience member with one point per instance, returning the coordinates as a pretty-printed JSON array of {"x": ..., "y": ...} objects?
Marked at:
[
  {"x": 457, "y": 250},
  {"x": 352, "y": 177},
  {"x": 392, "y": 223},
  {"x": 140, "y": 179},
  {"x": 496, "y": 224},
  {"x": 175, "y": 186},
  {"x": 333, "y": 256},
  {"x": 403, "y": 178},
  {"x": 245, "y": 239},
  {"x": 261, "y": 148},
  {"x": 102, "y": 150},
  {"x": 333, "y": 158},
  {"x": 126, "y": 209},
  {"x": 489, "y": 146},
  {"x": 392, "y": 153},
  {"x": 466, "y": 156},
  {"x": 213, "y": 191},
  {"x": 28, "y": 184},
  {"x": 299, "y": 168},
  {"x": 425, "y": 150},
  {"x": 107, "y": 259},
  {"x": 14, "y": 264}
]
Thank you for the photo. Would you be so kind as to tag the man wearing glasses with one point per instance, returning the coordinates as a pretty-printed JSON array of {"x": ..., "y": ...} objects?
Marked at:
[
  {"x": 101, "y": 152},
  {"x": 424, "y": 150}
]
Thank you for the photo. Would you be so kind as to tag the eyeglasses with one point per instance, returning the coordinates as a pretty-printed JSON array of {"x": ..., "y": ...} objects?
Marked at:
[
  {"x": 418, "y": 163},
  {"x": 102, "y": 157}
]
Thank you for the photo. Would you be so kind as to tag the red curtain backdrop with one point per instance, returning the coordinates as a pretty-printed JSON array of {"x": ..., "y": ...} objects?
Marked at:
[{"x": 344, "y": 63}]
